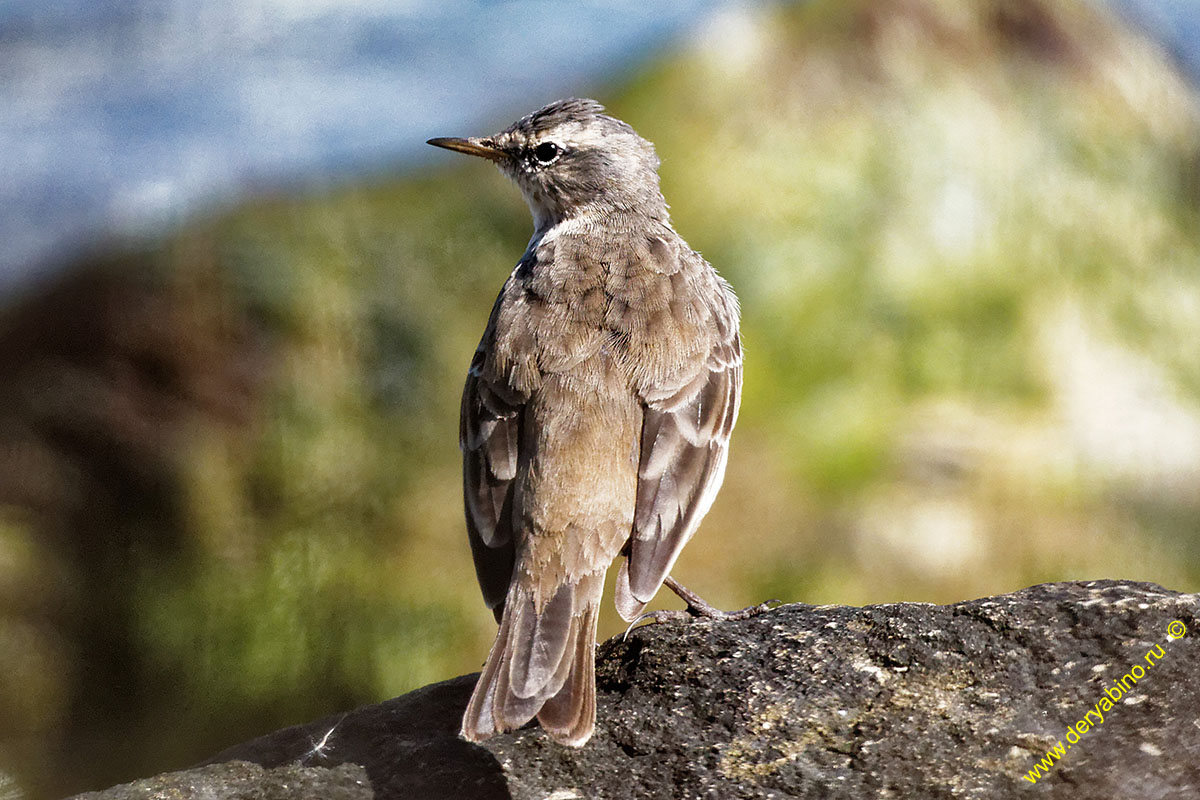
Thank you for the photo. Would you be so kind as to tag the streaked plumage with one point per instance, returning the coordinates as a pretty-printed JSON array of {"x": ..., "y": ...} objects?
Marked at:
[{"x": 596, "y": 414}]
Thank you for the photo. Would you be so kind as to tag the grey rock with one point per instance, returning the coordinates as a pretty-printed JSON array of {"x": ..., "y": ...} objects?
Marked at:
[
  {"x": 238, "y": 780},
  {"x": 905, "y": 700}
]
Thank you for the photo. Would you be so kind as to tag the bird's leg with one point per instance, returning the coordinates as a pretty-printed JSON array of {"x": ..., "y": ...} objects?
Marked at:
[{"x": 697, "y": 606}]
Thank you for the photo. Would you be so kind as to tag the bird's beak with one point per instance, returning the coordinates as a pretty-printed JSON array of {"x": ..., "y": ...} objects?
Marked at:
[{"x": 484, "y": 148}]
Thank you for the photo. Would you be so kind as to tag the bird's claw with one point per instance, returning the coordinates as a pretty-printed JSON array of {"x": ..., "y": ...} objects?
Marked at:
[{"x": 639, "y": 618}]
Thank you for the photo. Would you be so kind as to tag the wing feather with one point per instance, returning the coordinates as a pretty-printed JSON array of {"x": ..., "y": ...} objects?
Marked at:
[
  {"x": 489, "y": 435},
  {"x": 685, "y": 444}
]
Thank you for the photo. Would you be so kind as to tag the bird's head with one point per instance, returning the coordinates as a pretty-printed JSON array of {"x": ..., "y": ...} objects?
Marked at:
[{"x": 571, "y": 158}]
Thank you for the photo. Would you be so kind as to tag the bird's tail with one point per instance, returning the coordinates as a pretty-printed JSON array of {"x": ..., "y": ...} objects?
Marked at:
[{"x": 542, "y": 662}]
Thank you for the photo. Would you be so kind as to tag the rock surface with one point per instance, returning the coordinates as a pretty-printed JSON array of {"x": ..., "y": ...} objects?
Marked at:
[
  {"x": 238, "y": 780},
  {"x": 904, "y": 700}
]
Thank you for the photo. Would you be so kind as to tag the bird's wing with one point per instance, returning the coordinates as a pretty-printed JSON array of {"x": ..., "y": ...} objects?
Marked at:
[
  {"x": 685, "y": 442},
  {"x": 489, "y": 435}
]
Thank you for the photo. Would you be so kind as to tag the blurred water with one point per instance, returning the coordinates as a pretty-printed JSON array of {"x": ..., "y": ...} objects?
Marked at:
[
  {"x": 1174, "y": 23},
  {"x": 119, "y": 116}
]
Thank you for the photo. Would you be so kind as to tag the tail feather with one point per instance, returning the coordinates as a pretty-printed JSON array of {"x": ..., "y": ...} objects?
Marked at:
[
  {"x": 570, "y": 715},
  {"x": 509, "y": 708},
  {"x": 541, "y": 664},
  {"x": 479, "y": 720},
  {"x": 539, "y": 642}
]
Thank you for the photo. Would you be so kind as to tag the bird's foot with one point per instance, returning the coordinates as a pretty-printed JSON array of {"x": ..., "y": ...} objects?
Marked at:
[{"x": 698, "y": 607}]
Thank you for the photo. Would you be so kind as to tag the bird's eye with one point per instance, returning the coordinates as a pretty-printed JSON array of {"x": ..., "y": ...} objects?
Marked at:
[{"x": 547, "y": 153}]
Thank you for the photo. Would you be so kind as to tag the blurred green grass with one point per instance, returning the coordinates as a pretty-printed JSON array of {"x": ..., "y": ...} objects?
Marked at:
[{"x": 968, "y": 252}]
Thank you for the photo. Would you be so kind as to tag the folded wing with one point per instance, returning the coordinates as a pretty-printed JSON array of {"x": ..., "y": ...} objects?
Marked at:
[
  {"x": 489, "y": 435},
  {"x": 685, "y": 443}
]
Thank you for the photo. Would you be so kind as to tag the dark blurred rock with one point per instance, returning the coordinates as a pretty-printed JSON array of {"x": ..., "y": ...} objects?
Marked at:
[
  {"x": 237, "y": 780},
  {"x": 409, "y": 746},
  {"x": 109, "y": 373},
  {"x": 904, "y": 700},
  {"x": 107, "y": 368}
]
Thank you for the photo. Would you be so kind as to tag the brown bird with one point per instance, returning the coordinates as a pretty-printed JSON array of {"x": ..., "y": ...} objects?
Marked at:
[{"x": 596, "y": 414}]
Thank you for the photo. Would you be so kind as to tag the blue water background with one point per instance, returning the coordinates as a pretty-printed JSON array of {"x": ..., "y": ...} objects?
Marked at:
[{"x": 118, "y": 117}]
